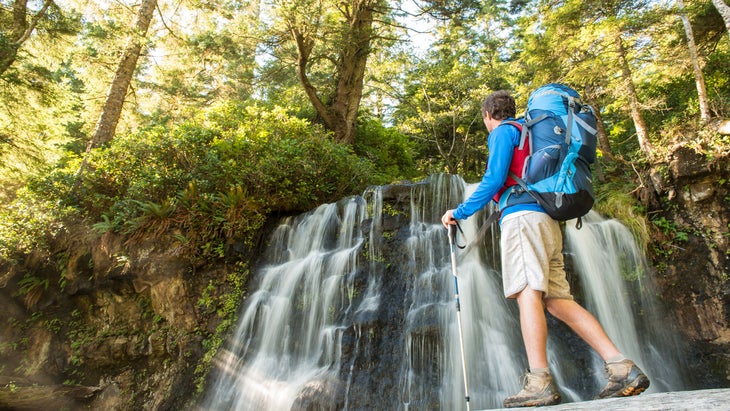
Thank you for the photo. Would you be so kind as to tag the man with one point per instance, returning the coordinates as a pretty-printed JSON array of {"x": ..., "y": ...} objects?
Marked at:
[{"x": 532, "y": 267}]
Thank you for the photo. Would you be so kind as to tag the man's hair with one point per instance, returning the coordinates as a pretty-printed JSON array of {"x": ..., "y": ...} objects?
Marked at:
[{"x": 500, "y": 105}]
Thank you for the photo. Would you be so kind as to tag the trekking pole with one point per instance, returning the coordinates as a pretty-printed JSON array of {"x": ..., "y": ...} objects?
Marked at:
[{"x": 452, "y": 243}]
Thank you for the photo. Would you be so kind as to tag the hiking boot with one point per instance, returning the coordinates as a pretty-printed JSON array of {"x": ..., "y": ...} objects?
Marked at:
[
  {"x": 624, "y": 379},
  {"x": 537, "y": 389}
]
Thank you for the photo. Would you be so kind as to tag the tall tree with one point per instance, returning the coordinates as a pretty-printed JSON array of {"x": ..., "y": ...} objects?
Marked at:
[
  {"x": 441, "y": 109},
  {"x": 440, "y": 104},
  {"x": 204, "y": 52},
  {"x": 107, "y": 124},
  {"x": 642, "y": 132},
  {"x": 339, "y": 34},
  {"x": 38, "y": 89},
  {"x": 724, "y": 10},
  {"x": 18, "y": 29},
  {"x": 604, "y": 144},
  {"x": 569, "y": 41},
  {"x": 695, "y": 57}
]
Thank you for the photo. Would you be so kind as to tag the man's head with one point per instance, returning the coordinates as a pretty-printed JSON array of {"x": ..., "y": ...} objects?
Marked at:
[{"x": 498, "y": 106}]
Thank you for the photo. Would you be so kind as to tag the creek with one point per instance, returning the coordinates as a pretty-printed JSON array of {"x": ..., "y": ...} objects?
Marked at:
[{"x": 352, "y": 307}]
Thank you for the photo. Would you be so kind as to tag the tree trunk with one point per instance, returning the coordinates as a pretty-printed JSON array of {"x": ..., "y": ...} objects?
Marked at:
[
  {"x": 340, "y": 115},
  {"x": 603, "y": 143},
  {"x": 20, "y": 31},
  {"x": 694, "y": 55},
  {"x": 305, "y": 45},
  {"x": 724, "y": 10},
  {"x": 642, "y": 134},
  {"x": 112, "y": 109},
  {"x": 353, "y": 61}
]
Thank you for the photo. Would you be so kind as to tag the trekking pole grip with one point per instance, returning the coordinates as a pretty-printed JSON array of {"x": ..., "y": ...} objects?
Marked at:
[{"x": 452, "y": 233}]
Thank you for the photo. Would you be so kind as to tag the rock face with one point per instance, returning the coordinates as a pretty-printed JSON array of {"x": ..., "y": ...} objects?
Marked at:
[
  {"x": 105, "y": 323},
  {"x": 692, "y": 195},
  {"x": 116, "y": 326}
]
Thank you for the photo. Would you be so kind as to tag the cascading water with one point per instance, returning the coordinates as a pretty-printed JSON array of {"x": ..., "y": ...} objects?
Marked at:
[
  {"x": 617, "y": 290},
  {"x": 354, "y": 309},
  {"x": 432, "y": 368},
  {"x": 288, "y": 338}
]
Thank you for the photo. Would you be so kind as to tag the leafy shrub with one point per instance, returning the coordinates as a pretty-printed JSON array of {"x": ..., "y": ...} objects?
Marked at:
[
  {"x": 389, "y": 150},
  {"x": 211, "y": 178},
  {"x": 614, "y": 199},
  {"x": 26, "y": 223}
]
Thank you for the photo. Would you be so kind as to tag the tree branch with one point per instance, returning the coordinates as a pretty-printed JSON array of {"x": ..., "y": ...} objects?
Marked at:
[
  {"x": 33, "y": 23},
  {"x": 304, "y": 51}
]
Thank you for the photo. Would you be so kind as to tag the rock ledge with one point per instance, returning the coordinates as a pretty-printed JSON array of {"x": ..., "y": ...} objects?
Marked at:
[{"x": 705, "y": 400}]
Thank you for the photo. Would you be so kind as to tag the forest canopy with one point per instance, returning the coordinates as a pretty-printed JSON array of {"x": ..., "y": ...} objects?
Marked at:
[{"x": 139, "y": 116}]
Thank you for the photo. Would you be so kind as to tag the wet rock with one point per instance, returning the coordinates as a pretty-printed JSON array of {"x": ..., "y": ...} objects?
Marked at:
[
  {"x": 658, "y": 180},
  {"x": 320, "y": 395},
  {"x": 701, "y": 191},
  {"x": 687, "y": 162},
  {"x": 170, "y": 300},
  {"x": 45, "y": 397},
  {"x": 397, "y": 193},
  {"x": 705, "y": 400}
]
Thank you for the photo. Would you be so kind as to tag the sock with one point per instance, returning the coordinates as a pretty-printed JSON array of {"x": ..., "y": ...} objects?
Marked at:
[
  {"x": 539, "y": 371},
  {"x": 615, "y": 359}
]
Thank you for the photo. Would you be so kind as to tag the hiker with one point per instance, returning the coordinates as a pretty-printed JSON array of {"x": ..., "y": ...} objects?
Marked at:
[{"x": 532, "y": 268}]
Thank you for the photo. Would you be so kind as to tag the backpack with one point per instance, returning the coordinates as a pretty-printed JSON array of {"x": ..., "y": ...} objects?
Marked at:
[{"x": 562, "y": 144}]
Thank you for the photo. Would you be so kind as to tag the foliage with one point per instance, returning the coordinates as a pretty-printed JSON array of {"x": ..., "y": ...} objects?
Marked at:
[
  {"x": 209, "y": 174},
  {"x": 391, "y": 152},
  {"x": 31, "y": 288},
  {"x": 614, "y": 199},
  {"x": 210, "y": 60},
  {"x": 670, "y": 239},
  {"x": 440, "y": 104},
  {"x": 28, "y": 222},
  {"x": 212, "y": 178}
]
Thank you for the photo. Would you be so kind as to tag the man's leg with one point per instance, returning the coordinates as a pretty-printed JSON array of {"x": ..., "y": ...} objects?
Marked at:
[
  {"x": 534, "y": 327},
  {"x": 624, "y": 377},
  {"x": 584, "y": 324},
  {"x": 538, "y": 387},
  {"x": 525, "y": 261}
]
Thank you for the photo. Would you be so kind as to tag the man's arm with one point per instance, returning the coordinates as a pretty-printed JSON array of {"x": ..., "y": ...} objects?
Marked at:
[{"x": 501, "y": 147}]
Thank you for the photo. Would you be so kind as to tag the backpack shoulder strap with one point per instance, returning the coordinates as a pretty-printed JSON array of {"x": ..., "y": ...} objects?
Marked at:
[{"x": 523, "y": 131}]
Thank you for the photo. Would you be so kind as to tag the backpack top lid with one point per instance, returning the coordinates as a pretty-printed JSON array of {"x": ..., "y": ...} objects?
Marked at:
[{"x": 550, "y": 98}]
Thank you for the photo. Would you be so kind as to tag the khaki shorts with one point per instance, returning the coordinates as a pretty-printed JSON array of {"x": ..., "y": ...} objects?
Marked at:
[{"x": 532, "y": 246}]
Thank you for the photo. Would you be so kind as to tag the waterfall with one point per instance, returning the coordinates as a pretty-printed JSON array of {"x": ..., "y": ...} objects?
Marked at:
[
  {"x": 289, "y": 338},
  {"x": 432, "y": 362},
  {"x": 353, "y": 308},
  {"x": 619, "y": 291}
]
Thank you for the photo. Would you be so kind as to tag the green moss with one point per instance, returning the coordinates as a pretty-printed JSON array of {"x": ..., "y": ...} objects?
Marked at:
[
  {"x": 226, "y": 306},
  {"x": 623, "y": 207}
]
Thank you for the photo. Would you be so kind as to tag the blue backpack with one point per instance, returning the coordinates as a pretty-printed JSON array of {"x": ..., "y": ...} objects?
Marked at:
[{"x": 562, "y": 141}]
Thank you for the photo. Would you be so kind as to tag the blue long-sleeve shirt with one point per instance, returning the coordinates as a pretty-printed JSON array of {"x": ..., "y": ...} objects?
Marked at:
[{"x": 501, "y": 142}]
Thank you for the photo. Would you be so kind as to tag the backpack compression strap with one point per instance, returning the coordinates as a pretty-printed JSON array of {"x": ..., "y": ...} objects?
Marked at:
[
  {"x": 572, "y": 103},
  {"x": 523, "y": 184}
]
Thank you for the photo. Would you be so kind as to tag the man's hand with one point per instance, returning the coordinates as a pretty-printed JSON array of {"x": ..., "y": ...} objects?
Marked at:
[{"x": 448, "y": 218}]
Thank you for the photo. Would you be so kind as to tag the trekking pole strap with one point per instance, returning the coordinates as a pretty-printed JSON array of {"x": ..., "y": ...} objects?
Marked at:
[
  {"x": 483, "y": 231},
  {"x": 452, "y": 234}
]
